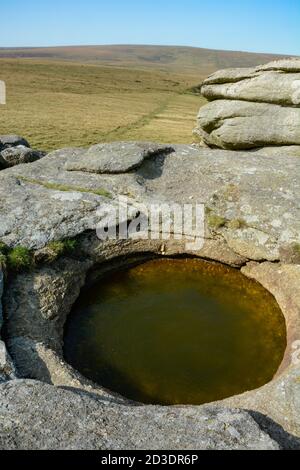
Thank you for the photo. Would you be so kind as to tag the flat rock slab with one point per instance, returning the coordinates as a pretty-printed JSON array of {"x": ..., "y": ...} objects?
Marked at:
[
  {"x": 231, "y": 124},
  {"x": 265, "y": 87},
  {"x": 39, "y": 416},
  {"x": 277, "y": 82},
  {"x": 42, "y": 202},
  {"x": 292, "y": 150},
  {"x": 115, "y": 158},
  {"x": 32, "y": 215},
  {"x": 233, "y": 75},
  {"x": 285, "y": 65}
]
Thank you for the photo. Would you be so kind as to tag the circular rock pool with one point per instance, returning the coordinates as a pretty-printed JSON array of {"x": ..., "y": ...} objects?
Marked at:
[{"x": 176, "y": 331}]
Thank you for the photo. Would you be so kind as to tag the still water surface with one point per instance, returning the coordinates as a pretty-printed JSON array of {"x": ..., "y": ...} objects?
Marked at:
[{"x": 176, "y": 331}]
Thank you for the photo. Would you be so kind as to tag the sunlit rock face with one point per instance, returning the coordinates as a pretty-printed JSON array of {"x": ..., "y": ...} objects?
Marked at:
[{"x": 252, "y": 108}]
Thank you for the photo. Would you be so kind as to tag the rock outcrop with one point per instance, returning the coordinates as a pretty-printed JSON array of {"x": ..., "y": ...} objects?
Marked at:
[
  {"x": 251, "y": 215},
  {"x": 44, "y": 201},
  {"x": 15, "y": 150},
  {"x": 235, "y": 124},
  {"x": 251, "y": 108},
  {"x": 116, "y": 158},
  {"x": 260, "y": 85}
]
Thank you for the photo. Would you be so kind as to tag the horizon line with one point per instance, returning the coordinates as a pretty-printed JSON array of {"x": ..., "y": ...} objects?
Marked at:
[{"x": 145, "y": 45}]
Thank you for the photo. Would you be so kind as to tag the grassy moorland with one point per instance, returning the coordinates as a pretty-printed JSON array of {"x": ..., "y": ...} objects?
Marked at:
[{"x": 80, "y": 96}]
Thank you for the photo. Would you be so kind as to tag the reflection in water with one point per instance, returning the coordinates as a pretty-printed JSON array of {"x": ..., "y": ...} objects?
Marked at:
[{"x": 176, "y": 331}]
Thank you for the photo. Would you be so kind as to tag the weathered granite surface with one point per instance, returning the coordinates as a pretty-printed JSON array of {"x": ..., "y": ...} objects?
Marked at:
[
  {"x": 273, "y": 87},
  {"x": 236, "y": 124},
  {"x": 253, "y": 107},
  {"x": 40, "y": 416},
  {"x": 292, "y": 150},
  {"x": 280, "y": 399},
  {"x": 236, "y": 186},
  {"x": 252, "y": 214},
  {"x": 115, "y": 158},
  {"x": 237, "y": 74}
]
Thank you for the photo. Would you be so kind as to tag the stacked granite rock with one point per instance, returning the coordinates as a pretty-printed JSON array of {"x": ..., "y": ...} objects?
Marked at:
[
  {"x": 251, "y": 108},
  {"x": 15, "y": 150}
]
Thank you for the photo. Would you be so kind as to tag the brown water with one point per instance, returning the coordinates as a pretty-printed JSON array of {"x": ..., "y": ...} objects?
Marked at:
[{"x": 178, "y": 331}]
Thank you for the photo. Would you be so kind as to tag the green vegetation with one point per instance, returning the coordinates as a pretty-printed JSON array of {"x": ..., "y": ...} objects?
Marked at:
[
  {"x": 236, "y": 224},
  {"x": 56, "y": 249},
  {"x": 63, "y": 187},
  {"x": 2, "y": 260},
  {"x": 215, "y": 221},
  {"x": 63, "y": 246},
  {"x": 3, "y": 248},
  {"x": 19, "y": 259},
  {"x": 296, "y": 248},
  {"x": 3, "y": 253}
]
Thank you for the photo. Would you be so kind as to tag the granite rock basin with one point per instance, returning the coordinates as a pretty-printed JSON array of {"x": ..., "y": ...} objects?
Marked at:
[{"x": 176, "y": 331}]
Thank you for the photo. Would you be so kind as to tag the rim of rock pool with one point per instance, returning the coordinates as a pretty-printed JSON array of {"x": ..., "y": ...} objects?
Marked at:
[
  {"x": 209, "y": 306},
  {"x": 35, "y": 344},
  {"x": 43, "y": 360}
]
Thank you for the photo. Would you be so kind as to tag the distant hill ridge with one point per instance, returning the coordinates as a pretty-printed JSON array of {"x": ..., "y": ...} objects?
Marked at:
[{"x": 168, "y": 58}]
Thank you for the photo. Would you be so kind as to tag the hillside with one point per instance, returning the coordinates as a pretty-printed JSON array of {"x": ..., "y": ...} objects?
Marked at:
[{"x": 181, "y": 59}]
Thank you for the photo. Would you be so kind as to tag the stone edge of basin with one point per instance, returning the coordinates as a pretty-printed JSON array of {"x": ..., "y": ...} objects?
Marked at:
[{"x": 45, "y": 297}]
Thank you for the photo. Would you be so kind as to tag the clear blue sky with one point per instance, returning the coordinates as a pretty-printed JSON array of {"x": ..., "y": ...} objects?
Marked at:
[{"x": 248, "y": 25}]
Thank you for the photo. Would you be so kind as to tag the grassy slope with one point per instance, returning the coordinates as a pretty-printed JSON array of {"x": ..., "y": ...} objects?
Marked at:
[{"x": 70, "y": 96}]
